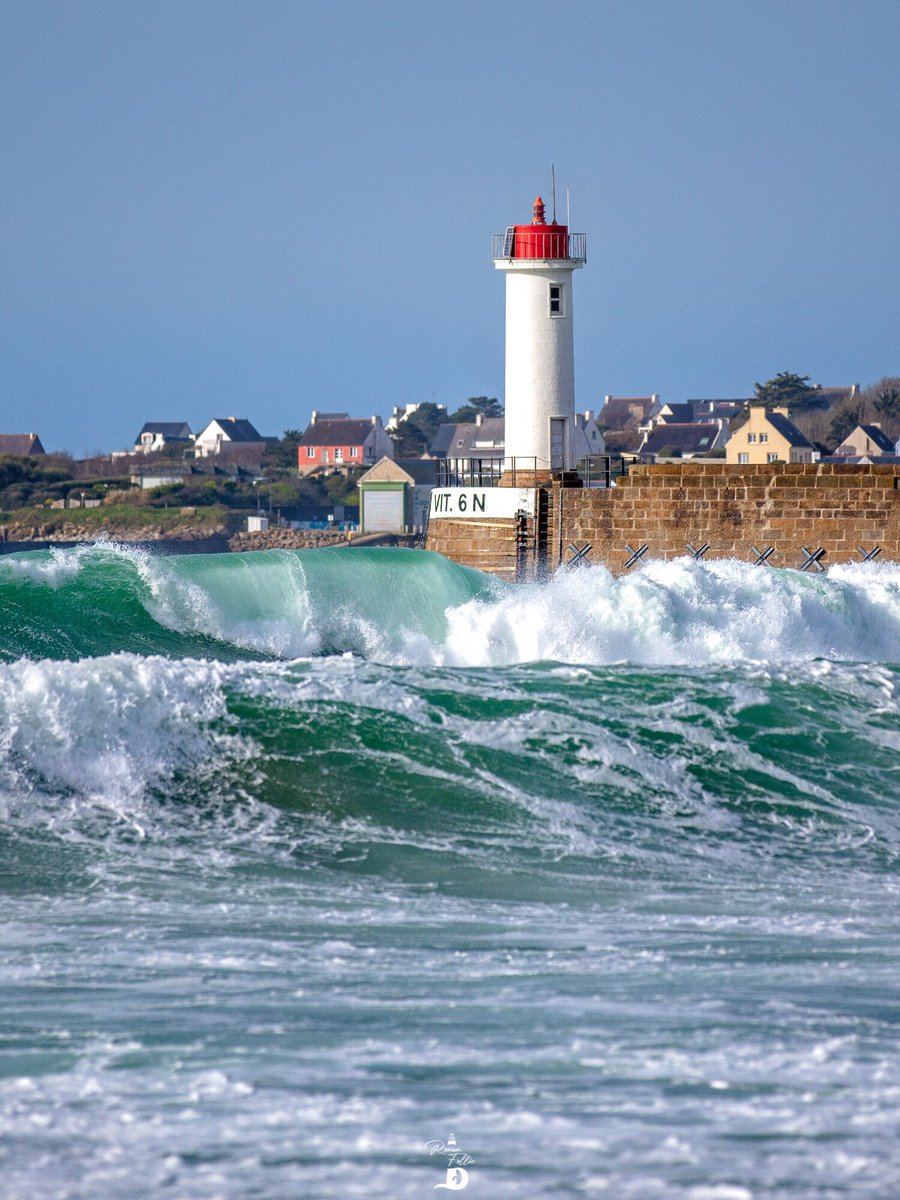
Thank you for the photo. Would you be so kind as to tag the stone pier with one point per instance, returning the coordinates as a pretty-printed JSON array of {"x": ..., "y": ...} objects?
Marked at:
[{"x": 833, "y": 507}]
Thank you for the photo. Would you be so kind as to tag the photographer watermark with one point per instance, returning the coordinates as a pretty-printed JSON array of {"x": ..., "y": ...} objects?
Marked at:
[{"x": 457, "y": 1162}]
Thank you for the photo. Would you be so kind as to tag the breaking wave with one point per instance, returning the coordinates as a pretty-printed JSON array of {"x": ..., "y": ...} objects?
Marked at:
[{"x": 412, "y": 607}]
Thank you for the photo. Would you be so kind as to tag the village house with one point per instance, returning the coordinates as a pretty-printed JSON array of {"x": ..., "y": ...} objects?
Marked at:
[
  {"x": 769, "y": 436},
  {"x": 403, "y": 413},
  {"x": 227, "y": 431},
  {"x": 156, "y": 435},
  {"x": 338, "y": 441},
  {"x": 828, "y": 397},
  {"x": 621, "y": 420},
  {"x": 485, "y": 437},
  {"x": 866, "y": 441},
  {"x": 686, "y": 439},
  {"x": 692, "y": 412},
  {"x": 20, "y": 443}
]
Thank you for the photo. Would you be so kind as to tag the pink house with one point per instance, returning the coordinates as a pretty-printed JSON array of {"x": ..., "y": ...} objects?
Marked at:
[{"x": 336, "y": 441}]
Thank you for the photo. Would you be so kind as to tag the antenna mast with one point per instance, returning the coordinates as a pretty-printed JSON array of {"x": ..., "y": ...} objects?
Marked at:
[
  {"x": 568, "y": 220},
  {"x": 553, "y": 189}
]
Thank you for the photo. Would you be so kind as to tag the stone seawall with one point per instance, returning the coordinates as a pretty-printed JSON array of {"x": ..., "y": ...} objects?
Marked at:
[{"x": 831, "y": 507}]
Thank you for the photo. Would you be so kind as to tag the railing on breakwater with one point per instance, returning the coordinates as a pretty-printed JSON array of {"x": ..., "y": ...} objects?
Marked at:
[{"x": 598, "y": 470}]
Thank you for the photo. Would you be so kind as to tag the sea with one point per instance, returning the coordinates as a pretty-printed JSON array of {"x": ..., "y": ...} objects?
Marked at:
[{"x": 357, "y": 873}]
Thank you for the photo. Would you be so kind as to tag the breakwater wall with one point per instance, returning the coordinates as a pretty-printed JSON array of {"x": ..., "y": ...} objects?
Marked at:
[{"x": 782, "y": 511}]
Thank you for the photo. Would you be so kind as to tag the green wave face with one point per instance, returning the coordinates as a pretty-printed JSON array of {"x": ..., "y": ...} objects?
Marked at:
[
  {"x": 412, "y": 607},
  {"x": 103, "y": 599}
]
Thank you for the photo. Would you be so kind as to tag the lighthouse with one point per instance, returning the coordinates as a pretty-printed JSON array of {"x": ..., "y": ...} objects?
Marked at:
[{"x": 539, "y": 261}]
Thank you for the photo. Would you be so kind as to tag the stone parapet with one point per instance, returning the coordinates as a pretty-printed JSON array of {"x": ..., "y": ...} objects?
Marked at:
[{"x": 834, "y": 507}]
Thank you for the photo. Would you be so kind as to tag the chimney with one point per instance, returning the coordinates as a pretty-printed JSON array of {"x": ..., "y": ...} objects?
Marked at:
[
  {"x": 314, "y": 418},
  {"x": 479, "y": 419}
]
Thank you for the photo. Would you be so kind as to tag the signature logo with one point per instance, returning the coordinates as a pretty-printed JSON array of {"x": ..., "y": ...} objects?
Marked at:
[{"x": 457, "y": 1161}]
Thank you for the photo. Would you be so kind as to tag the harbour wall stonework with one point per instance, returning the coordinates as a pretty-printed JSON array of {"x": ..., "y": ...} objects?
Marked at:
[{"x": 833, "y": 507}]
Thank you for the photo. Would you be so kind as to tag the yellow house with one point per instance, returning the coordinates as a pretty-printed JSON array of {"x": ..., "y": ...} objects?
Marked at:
[{"x": 769, "y": 436}]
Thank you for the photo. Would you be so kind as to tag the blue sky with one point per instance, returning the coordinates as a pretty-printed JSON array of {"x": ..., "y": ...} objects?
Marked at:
[{"x": 263, "y": 208}]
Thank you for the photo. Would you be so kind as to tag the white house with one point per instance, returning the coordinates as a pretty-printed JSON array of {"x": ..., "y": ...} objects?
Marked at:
[
  {"x": 586, "y": 436},
  {"x": 403, "y": 413},
  {"x": 222, "y": 431},
  {"x": 155, "y": 435}
]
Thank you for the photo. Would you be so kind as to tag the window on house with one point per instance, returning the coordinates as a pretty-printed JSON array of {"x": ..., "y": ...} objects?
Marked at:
[
  {"x": 310, "y": 452},
  {"x": 772, "y": 456},
  {"x": 339, "y": 454},
  {"x": 751, "y": 437},
  {"x": 743, "y": 457},
  {"x": 763, "y": 437},
  {"x": 556, "y": 300},
  {"x": 354, "y": 451}
]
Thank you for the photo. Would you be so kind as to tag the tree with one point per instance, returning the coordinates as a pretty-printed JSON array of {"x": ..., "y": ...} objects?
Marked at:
[
  {"x": 282, "y": 456},
  {"x": 886, "y": 398},
  {"x": 843, "y": 424},
  {"x": 413, "y": 435},
  {"x": 787, "y": 390},
  {"x": 487, "y": 406}
]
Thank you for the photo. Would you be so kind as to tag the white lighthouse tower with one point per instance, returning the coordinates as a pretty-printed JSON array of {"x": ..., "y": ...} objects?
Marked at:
[{"x": 539, "y": 260}]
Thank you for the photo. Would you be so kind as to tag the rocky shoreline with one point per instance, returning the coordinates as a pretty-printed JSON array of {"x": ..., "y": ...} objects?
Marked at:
[
  {"x": 25, "y": 536},
  {"x": 69, "y": 531}
]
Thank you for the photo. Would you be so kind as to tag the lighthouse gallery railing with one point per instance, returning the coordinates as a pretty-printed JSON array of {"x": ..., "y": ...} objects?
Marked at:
[{"x": 540, "y": 245}]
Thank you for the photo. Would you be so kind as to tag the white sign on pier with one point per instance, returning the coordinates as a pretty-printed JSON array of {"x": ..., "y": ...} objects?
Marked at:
[{"x": 465, "y": 503}]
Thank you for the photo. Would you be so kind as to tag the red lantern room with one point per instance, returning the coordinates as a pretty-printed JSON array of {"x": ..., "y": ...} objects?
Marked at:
[{"x": 540, "y": 240}]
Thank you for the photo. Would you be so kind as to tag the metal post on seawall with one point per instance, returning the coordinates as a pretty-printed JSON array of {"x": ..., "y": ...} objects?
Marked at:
[
  {"x": 521, "y": 546},
  {"x": 559, "y": 524}
]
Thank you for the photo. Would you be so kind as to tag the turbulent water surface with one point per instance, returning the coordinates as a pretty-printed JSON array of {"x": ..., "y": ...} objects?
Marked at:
[{"x": 312, "y": 858}]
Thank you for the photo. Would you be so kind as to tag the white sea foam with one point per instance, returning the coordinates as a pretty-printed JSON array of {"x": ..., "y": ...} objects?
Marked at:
[
  {"x": 104, "y": 728},
  {"x": 685, "y": 613},
  {"x": 673, "y": 613}
]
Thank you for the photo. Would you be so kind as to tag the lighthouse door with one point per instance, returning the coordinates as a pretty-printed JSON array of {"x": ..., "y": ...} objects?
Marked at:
[{"x": 557, "y": 443}]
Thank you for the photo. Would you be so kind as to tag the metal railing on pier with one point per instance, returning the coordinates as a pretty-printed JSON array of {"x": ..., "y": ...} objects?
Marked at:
[
  {"x": 480, "y": 472},
  {"x": 598, "y": 470},
  {"x": 602, "y": 470}
]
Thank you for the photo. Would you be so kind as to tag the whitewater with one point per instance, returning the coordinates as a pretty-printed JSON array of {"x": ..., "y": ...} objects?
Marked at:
[{"x": 310, "y": 859}]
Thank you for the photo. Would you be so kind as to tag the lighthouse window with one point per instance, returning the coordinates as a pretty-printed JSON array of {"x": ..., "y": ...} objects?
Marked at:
[{"x": 556, "y": 306}]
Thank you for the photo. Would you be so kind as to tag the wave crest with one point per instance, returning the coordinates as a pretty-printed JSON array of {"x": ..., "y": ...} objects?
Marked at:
[{"x": 410, "y": 607}]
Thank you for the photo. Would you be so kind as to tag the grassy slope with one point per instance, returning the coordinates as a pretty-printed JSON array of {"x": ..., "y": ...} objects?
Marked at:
[{"x": 124, "y": 518}]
